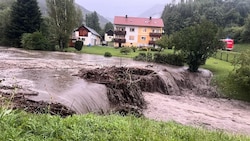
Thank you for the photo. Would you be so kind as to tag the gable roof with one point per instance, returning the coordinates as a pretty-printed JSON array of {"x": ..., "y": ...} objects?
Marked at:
[
  {"x": 89, "y": 29},
  {"x": 137, "y": 21}
]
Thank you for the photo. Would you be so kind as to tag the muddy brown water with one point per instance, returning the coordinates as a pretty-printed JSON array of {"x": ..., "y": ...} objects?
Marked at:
[{"x": 51, "y": 75}]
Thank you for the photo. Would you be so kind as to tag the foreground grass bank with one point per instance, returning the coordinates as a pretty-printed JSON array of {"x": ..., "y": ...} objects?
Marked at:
[{"x": 16, "y": 125}]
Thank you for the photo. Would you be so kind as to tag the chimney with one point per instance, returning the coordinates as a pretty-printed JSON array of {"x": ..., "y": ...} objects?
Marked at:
[
  {"x": 126, "y": 16},
  {"x": 150, "y": 18}
]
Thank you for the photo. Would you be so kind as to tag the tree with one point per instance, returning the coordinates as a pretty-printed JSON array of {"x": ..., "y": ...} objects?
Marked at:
[
  {"x": 4, "y": 16},
  {"x": 64, "y": 19},
  {"x": 165, "y": 42},
  {"x": 108, "y": 26},
  {"x": 241, "y": 74},
  {"x": 246, "y": 32},
  {"x": 25, "y": 17},
  {"x": 197, "y": 43},
  {"x": 92, "y": 21}
]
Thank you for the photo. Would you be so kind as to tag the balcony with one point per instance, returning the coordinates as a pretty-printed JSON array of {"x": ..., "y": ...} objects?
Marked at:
[
  {"x": 118, "y": 40},
  {"x": 117, "y": 32},
  {"x": 155, "y": 34},
  {"x": 151, "y": 42}
]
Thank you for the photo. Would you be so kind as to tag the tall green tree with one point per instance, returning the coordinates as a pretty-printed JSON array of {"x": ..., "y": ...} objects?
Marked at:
[
  {"x": 108, "y": 26},
  {"x": 63, "y": 16},
  {"x": 92, "y": 21},
  {"x": 4, "y": 16},
  {"x": 25, "y": 17},
  {"x": 197, "y": 43},
  {"x": 246, "y": 32}
]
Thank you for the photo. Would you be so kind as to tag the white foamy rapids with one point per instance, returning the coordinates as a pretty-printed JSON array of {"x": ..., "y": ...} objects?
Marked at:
[{"x": 85, "y": 98}]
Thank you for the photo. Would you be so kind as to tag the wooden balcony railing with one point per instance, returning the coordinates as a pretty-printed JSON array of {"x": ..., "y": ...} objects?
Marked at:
[
  {"x": 117, "y": 32},
  {"x": 155, "y": 34},
  {"x": 119, "y": 40}
]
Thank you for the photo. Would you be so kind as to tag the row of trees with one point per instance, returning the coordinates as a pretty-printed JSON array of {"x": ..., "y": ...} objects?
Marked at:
[
  {"x": 22, "y": 24},
  {"x": 231, "y": 16},
  {"x": 194, "y": 27}
]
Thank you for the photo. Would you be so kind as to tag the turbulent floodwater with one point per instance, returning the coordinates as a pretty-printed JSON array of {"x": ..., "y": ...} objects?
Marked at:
[{"x": 51, "y": 75}]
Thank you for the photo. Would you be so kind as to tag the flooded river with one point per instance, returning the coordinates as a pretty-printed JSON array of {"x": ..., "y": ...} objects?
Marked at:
[{"x": 51, "y": 75}]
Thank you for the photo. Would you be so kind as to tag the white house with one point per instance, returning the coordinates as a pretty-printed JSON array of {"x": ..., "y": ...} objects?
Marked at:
[{"x": 86, "y": 34}]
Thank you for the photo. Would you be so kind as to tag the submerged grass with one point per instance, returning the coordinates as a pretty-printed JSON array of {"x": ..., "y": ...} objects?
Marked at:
[{"x": 17, "y": 125}]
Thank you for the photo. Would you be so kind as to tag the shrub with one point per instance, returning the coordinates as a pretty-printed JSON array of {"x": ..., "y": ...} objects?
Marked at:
[
  {"x": 35, "y": 41},
  {"x": 78, "y": 45},
  {"x": 125, "y": 50},
  {"x": 141, "y": 57},
  {"x": 107, "y": 54},
  {"x": 172, "y": 59},
  {"x": 241, "y": 76},
  {"x": 134, "y": 48},
  {"x": 144, "y": 57}
]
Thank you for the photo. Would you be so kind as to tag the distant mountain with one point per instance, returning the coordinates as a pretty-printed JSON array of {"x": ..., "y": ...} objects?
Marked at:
[
  {"x": 154, "y": 12},
  {"x": 102, "y": 20}
]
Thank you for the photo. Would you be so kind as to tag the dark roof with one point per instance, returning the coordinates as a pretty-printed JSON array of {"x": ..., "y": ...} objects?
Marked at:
[{"x": 110, "y": 32}]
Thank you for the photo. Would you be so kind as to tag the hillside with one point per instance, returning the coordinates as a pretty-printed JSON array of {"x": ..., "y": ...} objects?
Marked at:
[
  {"x": 155, "y": 11},
  {"x": 102, "y": 20}
]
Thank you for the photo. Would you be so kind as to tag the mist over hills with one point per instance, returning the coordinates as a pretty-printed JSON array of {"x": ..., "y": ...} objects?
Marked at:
[
  {"x": 154, "y": 12},
  {"x": 102, "y": 19}
]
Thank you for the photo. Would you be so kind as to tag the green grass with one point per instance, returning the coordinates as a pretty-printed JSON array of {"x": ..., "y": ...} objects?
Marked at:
[
  {"x": 227, "y": 56},
  {"x": 241, "y": 47},
  {"x": 21, "y": 126},
  {"x": 100, "y": 50}
]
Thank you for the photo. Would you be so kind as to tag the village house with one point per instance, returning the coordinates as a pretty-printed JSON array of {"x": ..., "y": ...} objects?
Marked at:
[
  {"x": 109, "y": 36},
  {"x": 137, "y": 31},
  {"x": 86, "y": 34}
]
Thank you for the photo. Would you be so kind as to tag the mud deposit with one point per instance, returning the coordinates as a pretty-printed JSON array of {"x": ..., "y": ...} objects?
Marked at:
[{"x": 71, "y": 83}]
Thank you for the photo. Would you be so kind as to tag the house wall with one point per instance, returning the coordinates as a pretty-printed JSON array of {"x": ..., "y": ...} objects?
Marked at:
[
  {"x": 108, "y": 38},
  {"x": 131, "y": 36},
  {"x": 87, "y": 37},
  {"x": 141, "y": 36}
]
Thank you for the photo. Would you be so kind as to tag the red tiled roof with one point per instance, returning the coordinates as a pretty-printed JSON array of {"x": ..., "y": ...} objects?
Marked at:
[{"x": 135, "y": 21}]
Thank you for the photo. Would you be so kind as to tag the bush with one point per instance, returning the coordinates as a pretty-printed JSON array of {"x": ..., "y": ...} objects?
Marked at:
[
  {"x": 35, "y": 41},
  {"x": 172, "y": 59},
  {"x": 78, "y": 45},
  {"x": 241, "y": 76},
  {"x": 107, "y": 54},
  {"x": 155, "y": 49},
  {"x": 144, "y": 57},
  {"x": 125, "y": 50},
  {"x": 134, "y": 48}
]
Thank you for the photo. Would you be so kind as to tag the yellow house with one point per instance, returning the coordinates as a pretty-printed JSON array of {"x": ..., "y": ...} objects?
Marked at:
[{"x": 136, "y": 31}]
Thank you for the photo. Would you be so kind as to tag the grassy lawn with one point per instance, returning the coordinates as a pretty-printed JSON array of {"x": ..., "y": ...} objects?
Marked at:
[
  {"x": 100, "y": 50},
  {"x": 241, "y": 47},
  {"x": 16, "y": 125}
]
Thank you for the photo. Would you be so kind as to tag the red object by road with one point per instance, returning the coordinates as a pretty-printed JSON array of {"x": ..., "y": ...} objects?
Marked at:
[{"x": 229, "y": 44}]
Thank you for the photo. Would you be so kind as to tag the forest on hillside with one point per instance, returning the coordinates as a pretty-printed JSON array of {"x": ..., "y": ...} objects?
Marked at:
[{"x": 231, "y": 16}]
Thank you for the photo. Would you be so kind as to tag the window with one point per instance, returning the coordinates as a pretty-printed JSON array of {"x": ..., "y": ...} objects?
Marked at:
[
  {"x": 131, "y": 37},
  {"x": 143, "y": 38},
  {"x": 144, "y": 30},
  {"x": 132, "y": 30}
]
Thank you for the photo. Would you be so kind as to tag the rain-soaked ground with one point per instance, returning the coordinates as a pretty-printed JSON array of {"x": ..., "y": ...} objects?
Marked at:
[{"x": 51, "y": 75}]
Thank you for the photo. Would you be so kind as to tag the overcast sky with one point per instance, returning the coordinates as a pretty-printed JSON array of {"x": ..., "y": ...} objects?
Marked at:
[{"x": 111, "y": 8}]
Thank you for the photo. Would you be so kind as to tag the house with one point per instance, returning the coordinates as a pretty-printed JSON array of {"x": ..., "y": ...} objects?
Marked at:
[
  {"x": 109, "y": 36},
  {"x": 137, "y": 31},
  {"x": 86, "y": 34}
]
